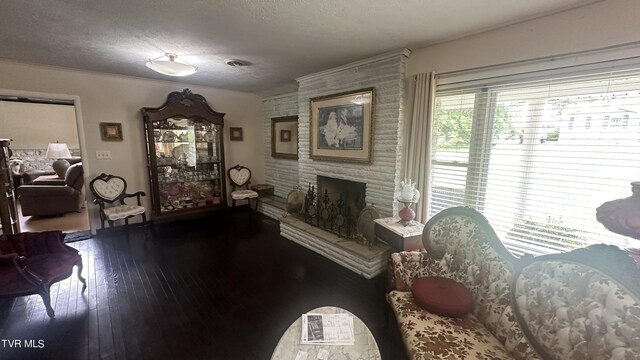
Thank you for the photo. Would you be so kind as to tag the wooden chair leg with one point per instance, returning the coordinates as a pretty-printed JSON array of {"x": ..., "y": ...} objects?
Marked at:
[
  {"x": 46, "y": 299},
  {"x": 111, "y": 223},
  {"x": 82, "y": 280}
]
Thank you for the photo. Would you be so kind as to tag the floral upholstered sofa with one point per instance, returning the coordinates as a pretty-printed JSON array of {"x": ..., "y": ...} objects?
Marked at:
[{"x": 583, "y": 304}]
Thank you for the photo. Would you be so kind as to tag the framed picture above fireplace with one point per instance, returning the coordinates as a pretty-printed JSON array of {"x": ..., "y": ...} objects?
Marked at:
[{"x": 341, "y": 127}]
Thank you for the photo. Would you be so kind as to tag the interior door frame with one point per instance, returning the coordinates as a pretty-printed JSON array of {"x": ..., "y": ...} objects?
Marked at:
[{"x": 79, "y": 129}]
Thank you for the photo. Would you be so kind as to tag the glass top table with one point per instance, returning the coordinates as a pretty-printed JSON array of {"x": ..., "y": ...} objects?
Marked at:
[{"x": 365, "y": 347}]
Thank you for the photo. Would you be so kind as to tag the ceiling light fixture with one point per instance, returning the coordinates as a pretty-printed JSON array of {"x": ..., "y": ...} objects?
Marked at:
[{"x": 168, "y": 64}]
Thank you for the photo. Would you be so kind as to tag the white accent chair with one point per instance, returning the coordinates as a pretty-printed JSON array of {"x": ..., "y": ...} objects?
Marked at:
[
  {"x": 109, "y": 192},
  {"x": 240, "y": 177}
]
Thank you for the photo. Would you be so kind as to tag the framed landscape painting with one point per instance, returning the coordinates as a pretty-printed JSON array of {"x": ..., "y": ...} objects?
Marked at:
[{"x": 341, "y": 127}]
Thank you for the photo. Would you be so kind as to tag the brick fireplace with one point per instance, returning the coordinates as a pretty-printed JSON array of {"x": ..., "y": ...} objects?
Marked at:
[{"x": 385, "y": 73}]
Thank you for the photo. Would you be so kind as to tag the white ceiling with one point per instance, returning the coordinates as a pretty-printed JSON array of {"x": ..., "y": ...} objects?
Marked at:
[{"x": 281, "y": 39}]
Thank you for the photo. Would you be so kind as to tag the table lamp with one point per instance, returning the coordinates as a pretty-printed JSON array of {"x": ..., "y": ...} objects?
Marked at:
[
  {"x": 407, "y": 195},
  {"x": 60, "y": 152}
]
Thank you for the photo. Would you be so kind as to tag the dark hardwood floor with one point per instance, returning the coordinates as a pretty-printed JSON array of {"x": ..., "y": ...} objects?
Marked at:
[{"x": 200, "y": 289}]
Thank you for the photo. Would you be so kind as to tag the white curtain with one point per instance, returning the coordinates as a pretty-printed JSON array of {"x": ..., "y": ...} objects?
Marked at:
[{"x": 417, "y": 153}]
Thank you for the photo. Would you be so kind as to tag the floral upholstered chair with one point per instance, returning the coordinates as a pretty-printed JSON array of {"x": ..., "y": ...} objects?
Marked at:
[
  {"x": 579, "y": 305},
  {"x": 461, "y": 246},
  {"x": 109, "y": 193},
  {"x": 584, "y": 304},
  {"x": 240, "y": 177}
]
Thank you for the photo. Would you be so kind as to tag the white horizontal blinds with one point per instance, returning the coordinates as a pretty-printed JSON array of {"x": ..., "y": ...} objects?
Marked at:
[
  {"x": 539, "y": 157},
  {"x": 452, "y": 133}
]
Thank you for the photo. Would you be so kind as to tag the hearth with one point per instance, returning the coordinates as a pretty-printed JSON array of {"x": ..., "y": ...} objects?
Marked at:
[
  {"x": 336, "y": 205},
  {"x": 368, "y": 261}
]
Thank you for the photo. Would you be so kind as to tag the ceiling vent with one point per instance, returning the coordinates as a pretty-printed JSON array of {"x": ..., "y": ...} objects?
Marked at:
[{"x": 236, "y": 62}]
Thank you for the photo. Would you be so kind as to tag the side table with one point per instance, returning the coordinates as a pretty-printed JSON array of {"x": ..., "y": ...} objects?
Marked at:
[
  {"x": 263, "y": 189},
  {"x": 364, "y": 348},
  {"x": 398, "y": 236}
]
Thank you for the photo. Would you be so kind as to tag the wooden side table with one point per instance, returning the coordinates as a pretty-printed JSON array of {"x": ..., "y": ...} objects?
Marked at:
[
  {"x": 263, "y": 189},
  {"x": 398, "y": 236}
]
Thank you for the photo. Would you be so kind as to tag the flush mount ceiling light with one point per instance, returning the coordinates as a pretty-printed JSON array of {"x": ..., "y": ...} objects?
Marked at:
[{"x": 168, "y": 64}]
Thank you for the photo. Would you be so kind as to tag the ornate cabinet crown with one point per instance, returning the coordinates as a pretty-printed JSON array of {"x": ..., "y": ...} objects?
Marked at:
[{"x": 185, "y": 155}]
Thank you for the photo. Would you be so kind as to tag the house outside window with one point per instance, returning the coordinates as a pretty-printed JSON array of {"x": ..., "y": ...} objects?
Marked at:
[
  {"x": 616, "y": 122},
  {"x": 540, "y": 192}
]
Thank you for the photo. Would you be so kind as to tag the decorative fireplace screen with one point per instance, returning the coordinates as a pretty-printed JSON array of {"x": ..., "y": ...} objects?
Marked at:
[{"x": 336, "y": 205}]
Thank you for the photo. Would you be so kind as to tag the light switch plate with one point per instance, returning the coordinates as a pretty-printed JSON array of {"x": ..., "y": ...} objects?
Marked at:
[{"x": 103, "y": 154}]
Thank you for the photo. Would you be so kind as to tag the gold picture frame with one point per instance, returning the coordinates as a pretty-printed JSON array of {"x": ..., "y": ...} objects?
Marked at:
[
  {"x": 341, "y": 126},
  {"x": 111, "y": 131},
  {"x": 235, "y": 134}
]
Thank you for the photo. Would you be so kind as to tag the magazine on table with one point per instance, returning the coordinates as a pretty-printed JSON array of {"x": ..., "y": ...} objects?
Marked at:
[{"x": 327, "y": 329}]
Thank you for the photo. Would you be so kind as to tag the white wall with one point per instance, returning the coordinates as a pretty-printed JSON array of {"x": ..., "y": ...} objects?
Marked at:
[
  {"x": 34, "y": 126},
  {"x": 113, "y": 98},
  {"x": 595, "y": 26}
]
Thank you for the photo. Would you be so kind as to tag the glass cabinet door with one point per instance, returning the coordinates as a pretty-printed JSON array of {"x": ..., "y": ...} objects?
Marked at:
[{"x": 188, "y": 170}]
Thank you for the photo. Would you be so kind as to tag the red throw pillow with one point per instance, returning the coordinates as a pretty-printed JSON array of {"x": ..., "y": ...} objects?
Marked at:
[{"x": 442, "y": 296}]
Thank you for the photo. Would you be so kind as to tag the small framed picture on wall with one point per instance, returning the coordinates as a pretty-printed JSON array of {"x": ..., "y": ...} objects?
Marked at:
[
  {"x": 111, "y": 131},
  {"x": 235, "y": 133}
]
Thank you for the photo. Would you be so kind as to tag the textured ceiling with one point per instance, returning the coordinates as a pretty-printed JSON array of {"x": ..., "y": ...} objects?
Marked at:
[{"x": 281, "y": 39}]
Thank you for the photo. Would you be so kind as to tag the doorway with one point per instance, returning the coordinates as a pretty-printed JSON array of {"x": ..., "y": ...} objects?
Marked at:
[{"x": 37, "y": 128}]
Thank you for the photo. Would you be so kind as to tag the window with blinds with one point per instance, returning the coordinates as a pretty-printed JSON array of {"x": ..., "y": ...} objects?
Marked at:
[{"x": 538, "y": 157}]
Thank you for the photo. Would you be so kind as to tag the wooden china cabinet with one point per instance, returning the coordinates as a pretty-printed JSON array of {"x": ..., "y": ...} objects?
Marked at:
[{"x": 185, "y": 154}]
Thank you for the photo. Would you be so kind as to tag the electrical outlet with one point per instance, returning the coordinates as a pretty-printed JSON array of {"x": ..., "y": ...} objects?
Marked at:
[{"x": 103, "y": 154}]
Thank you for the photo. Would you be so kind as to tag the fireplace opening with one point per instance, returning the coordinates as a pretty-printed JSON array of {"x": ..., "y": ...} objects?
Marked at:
[{"x": 336, "y": 205}]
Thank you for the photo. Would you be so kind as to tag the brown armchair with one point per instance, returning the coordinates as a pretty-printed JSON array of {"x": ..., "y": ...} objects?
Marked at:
[
  {"x": 31, "y": 262},
  {"x": 43, "y": 200}
]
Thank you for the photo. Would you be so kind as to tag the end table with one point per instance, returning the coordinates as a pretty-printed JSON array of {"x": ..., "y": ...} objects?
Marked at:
[{"x": 398, "y": 236}]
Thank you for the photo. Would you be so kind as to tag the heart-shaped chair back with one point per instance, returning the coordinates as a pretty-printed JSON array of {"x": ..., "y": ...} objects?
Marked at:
[
  {"x": 239, "y": 175},
  {"x": 108, "y": 187}
]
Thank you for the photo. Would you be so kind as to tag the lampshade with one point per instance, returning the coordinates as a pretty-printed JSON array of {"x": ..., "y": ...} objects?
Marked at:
[
  {"x": 169, "y": 64},
  {"x": 58, "y": 151}
]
